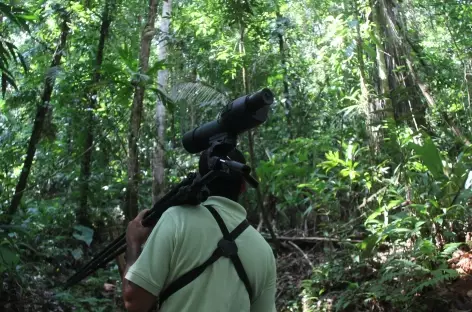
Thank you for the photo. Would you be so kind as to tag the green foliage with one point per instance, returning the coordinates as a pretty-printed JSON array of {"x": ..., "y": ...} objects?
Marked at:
[
  {"x": 84, "y": 298},
  {"x": 398, "y": 282},
  {"x": 339, "y": 157},
  {"x": 414, "y": 232},
  {"x": 8, "y": 51},
  {"x": 429, "y": 154}
]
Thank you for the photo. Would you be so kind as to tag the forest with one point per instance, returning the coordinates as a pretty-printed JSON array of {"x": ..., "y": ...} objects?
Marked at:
[{"x": 364, "y": 163}]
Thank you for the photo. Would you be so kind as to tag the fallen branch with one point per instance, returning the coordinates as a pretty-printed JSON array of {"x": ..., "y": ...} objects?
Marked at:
[
  {"x": 303, "y": 253},
  {"x": 313, "y": 239}
]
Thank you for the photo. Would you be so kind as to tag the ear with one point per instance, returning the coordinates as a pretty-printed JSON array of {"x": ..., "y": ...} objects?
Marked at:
[{"x": 243, "y": 187}]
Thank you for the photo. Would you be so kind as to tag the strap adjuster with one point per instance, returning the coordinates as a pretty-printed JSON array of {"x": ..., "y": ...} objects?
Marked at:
[{"x": 229, "y": 248}]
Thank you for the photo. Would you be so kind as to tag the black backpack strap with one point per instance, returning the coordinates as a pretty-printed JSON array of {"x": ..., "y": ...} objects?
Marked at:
[
  {"x": 226, "y": 248},
  {"x": 188, "y": 277},
  {"x": 229, "y": 239}
]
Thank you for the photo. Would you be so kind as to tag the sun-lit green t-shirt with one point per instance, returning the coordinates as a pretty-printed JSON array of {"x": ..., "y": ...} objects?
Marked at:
[{"x": 184, "y": 238}]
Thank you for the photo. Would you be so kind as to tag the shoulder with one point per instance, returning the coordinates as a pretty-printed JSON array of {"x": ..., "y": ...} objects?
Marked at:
[
  {"x": 165, "y": 226},
  {"x": 182, "y": 217},
  {"x": 181, "y": 212},
  {"x": 264, "y": 249}
]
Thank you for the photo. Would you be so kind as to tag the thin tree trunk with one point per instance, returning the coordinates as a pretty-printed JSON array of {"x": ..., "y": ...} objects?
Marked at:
[
  {"x": 85, "y": 169},
  {"x": 192, "y": 104},
  {"x": 39, "y": 120},
  {"x": 162, "y": 76},
  {"x": 260, "y": 201},
  {"x": 149, "y": 31},
  {"x": 283, "y": 63},
  {"x": 364, "y": 100},
  {"x": 467, "y": 86}
]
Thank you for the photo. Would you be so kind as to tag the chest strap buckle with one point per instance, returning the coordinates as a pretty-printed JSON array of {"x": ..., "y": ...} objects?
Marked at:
[{"x": 229, "y": 248}]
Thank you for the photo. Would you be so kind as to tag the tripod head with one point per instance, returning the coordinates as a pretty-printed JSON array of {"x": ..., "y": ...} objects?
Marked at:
[{"x": 218, "y": 158}]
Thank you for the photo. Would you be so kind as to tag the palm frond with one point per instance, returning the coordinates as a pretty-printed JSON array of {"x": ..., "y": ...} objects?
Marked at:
[
  {"x": 15, "y": 14},
  {"x": 355, "y": 109},
  {"x": 197, "y": 93},
  {"x": 7, "y": 79},
  {"x": 164, "y": 97},
  {"x": 8, "y": 51}
]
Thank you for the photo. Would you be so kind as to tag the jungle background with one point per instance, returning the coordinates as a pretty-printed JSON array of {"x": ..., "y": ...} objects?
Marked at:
[{"x": 364, "y": 162}]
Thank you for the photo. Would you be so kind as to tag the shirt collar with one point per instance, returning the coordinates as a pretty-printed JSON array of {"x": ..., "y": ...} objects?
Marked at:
[{"x": 226, "y": 203}]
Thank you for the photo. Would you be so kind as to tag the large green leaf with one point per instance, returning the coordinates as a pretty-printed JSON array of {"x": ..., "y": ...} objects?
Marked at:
[
  {"x": 77, "y": 253},
  {"x": 369, "y": 244},
  {"x": 450, "y": 248},
  {"x": 430, "y": 156},
  {"x": 8, "y": 257},
  {"x": 84, "y": 234}
]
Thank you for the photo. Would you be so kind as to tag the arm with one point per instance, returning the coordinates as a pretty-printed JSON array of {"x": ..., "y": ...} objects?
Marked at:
[
  {"x": 147, "y": 270},
  {"x": 135, "y": 297},
  {"x": 265, "y": 302}
]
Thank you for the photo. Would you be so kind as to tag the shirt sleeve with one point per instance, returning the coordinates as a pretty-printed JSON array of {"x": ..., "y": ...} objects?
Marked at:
[
  {"x": 151, "y": 269},
  {"x": 265, "y": 302}
]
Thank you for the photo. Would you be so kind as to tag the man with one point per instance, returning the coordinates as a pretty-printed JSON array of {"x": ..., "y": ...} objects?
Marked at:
[{"x": 184, "y": 238}]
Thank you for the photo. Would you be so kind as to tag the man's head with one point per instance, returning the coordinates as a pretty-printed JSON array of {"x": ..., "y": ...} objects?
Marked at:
[{"x": 229, "y": 186}]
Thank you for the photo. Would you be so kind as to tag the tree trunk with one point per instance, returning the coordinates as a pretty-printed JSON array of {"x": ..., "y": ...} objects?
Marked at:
[
  {"x": 403, "y": 107},
  {"x": 283, "y": 63},
  {"x": 85, "y": 169},
  {"x": 193, "y": 113},
  {"x": 260, "y": 201},
  {"x": 365, "y": 98},
  {"x": 39, "y": 120},
  {"x": 131, "y": 206},
  {"x": 383, "y": 105},
  {"x": 405, "y": 50},
  {"x": 162, "y": 76}
]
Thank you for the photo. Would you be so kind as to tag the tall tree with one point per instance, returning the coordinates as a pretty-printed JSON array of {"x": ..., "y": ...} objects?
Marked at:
[
  {"x": 392, "y": 61},
  {"x": 85, "y": 169},
  {"x": 147, "y": 34},
  {"x": 41, "y": 113},
  {"x": 402, "y": 56},
  {"x": 252, "y": 155},
  {"x": 162, "y": 76},
  {"x": 281, "y": 26}
]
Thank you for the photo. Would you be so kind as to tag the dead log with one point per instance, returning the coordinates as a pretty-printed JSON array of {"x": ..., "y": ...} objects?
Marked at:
[{"x": 313, "y": 239}]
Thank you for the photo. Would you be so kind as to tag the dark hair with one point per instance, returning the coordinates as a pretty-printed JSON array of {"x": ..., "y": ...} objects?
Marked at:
[{"x": 228, "y": 186}]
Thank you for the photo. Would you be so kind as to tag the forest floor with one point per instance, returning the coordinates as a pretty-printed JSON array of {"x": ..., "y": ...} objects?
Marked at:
[
  {"x": 37, "y": 295},
  {"x": 37, "y": 284},
  {"x": 295, "y": 266}
]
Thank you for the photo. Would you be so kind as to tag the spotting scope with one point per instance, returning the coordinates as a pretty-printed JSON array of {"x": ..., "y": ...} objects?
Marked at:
[{"x": 238, "y": 116}]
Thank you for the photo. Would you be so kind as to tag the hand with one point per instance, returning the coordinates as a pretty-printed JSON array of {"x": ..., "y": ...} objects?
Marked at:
[{"x": 137, "y": 233}]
